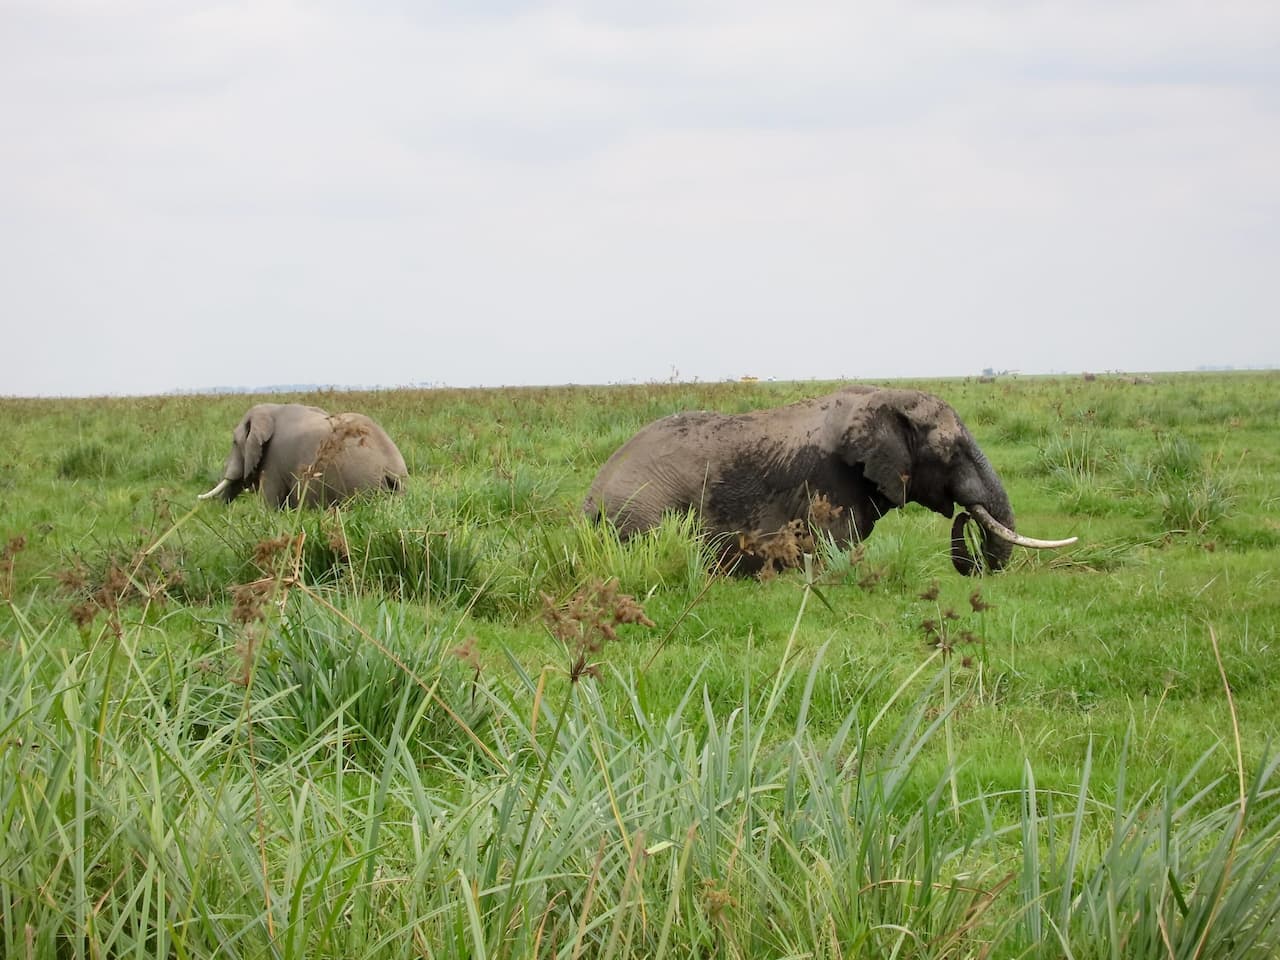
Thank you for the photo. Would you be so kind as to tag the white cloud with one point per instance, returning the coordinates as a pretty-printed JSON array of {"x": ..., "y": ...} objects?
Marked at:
[{"x": 281, "y": 192}]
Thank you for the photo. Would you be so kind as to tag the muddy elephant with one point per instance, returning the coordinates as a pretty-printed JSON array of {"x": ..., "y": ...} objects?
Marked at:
[
  {"x": 763, "y": 483},
  {"x": 295, "y": 454}
]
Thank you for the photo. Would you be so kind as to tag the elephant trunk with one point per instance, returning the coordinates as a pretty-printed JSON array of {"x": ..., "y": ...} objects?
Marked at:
[
  {"x": 982, "y": 496},
  {"x": 982, "y": 491}
]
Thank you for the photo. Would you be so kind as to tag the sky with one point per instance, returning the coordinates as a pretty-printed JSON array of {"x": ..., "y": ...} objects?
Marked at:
[{"x": 241, "y": 194}]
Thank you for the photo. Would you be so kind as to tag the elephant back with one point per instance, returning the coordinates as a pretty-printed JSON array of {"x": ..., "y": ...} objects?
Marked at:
[{"x": 354, "y": 455}]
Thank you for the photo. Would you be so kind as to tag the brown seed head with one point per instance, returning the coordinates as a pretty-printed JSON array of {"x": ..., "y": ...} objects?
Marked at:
[
  {"x": 588, "y": 620},
  {"x": 265, "y": 551},
  {"x": 468, "y": 654},
  {"x": 116, "y": 587},
  {"x": 822, "y": 512},
  {"x": 74, "y": 579},
  {"x": 249, "y": 601},
  {"x": 83, "y": 613},
  {"x": 14, "y": 547}
]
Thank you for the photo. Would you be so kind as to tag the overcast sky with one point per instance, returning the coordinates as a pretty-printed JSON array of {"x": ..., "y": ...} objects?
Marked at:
[{"x": 463, "y": 193}]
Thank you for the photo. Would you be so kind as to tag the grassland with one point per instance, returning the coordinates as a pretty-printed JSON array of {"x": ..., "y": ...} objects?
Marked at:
[{"x": 433, "y": 725}]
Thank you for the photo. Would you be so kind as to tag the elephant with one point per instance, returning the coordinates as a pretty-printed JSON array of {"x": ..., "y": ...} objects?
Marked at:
[
  {"x": 760, "y": 482},
  {"x": 300, "y": 455}
]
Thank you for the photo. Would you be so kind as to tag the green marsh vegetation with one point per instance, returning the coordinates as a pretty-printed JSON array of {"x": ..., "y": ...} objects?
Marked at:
[{"x": 463, "y": 722}]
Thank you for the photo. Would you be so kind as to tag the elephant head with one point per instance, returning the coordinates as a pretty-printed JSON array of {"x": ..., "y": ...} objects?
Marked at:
[
  {"x": 915, "y": 449},
  {"x": 300, "y": 454},
  {"x": 856, "y": 454},
  {"x": 249, "y": 440}
]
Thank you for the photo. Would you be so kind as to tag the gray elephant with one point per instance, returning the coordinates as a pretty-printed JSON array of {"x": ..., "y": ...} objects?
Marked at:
[
  {"x": 295, "y": 454},
  {"x": 762, "y": 482}
]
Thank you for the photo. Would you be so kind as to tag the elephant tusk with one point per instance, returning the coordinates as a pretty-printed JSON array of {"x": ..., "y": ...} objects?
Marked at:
[
  {"x": 1000, "y": 530},
  {"x": 222, "y": 485}
]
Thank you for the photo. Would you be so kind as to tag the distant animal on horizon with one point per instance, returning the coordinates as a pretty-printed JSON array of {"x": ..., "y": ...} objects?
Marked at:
[
  {"x": 763, "y": 481},
  {"x": 300, "y": 455}
]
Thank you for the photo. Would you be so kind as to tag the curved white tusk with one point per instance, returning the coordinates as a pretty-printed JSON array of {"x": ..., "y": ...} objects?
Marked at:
[
  {"x": 222, "y": 485},
  {"x": 1000, "y": 530}
]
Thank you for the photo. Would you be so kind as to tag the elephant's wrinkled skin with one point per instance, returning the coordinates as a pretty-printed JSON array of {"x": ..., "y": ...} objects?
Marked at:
[
  {"x": 295, "y": 454},
  {"x": 837, "y": 463}
]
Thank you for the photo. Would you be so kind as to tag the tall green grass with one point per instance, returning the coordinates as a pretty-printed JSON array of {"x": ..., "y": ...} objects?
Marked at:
[
  {"x": 379, "y": 730},
  {"x": 351, "y": 793}
]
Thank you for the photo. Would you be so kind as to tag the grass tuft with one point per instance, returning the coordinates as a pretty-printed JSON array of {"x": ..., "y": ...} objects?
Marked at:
[
  {"x": 88, "y": 461},
  {"x": 672, "y": 555}
]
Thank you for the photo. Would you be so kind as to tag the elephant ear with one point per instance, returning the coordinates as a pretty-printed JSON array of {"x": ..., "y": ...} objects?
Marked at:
[
  {"x": 251, "y": 438},
  {"x": 879, "y": 439}
]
